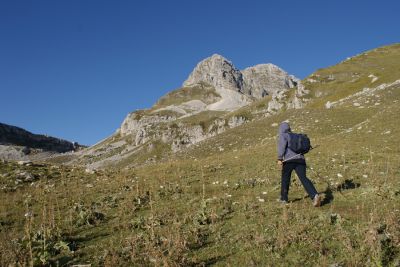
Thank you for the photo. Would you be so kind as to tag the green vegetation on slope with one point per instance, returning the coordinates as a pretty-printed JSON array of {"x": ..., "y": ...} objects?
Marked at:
[
  {"x": 202, "y": 91},
  {"x": 214, "y": 204},
  {"x": 354, "y": 73}
]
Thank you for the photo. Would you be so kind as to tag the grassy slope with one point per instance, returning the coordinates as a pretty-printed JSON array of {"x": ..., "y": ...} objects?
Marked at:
[
  {"x": 215, "y": 203},
  {"x": 142, "y": 154},
  {"x": 202, "y": 91},
  {"x": 352, "y": 74}
]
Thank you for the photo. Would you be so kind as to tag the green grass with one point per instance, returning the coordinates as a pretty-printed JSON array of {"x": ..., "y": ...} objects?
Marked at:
[
  {"x": 206, "y": 210},
  {"x": 202, "y": 91},
  {"x": 204, "y": 118},
  {"x": 167, "y": 113},
  {"x": 213, "y": 204},
  {"x": 352, "y": 75}
]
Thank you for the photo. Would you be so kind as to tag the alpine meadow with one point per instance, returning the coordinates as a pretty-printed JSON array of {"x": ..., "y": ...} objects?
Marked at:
[{"x": 193, "y": 180}]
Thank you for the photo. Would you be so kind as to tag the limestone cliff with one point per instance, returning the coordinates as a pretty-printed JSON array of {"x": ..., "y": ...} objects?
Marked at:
[
  {"x": 213, "y": 99},
  {"x": 266, "y": 79}
]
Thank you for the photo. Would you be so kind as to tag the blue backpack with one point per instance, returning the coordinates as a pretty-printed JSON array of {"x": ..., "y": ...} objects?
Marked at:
[{"x": 299, "y": 143}]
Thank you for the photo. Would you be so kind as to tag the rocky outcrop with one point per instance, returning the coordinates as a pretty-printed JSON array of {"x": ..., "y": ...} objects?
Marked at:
[
  {"x": 135, "y": 122},
  {"x": 225, "y": 78},
  {"x": 146, "y": 129},
  {"x": 257, "y": 81},
  {"x": 139, "y": 128},
  {"x": 238, "y": 88},
  {"x": 218, "y": 72},
  {"x": 282, "y": 99},
  {"x": 13, "y": 152},
  {"x": 15, "y": 136},
  {"x": 266, "y": 79},
  {"x": 277, "y": 101},
  {"x": 184, "y": 136},
  {"x": 18, "y": 144},
  {"x": 358, "y": 96},
  {"x": 236, "y": 121}
]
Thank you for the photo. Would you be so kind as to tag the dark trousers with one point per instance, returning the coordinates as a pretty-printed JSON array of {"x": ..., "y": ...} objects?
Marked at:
[{"x": 300, "y": 169}]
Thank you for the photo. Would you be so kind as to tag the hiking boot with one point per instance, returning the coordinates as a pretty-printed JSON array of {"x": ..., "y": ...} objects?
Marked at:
[
  {"x": 317, "y": 201},
  {"x": 281, "y": 201}
]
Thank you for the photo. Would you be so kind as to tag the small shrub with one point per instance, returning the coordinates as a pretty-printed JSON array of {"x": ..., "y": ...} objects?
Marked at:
[{"x": 85, "y": 215}]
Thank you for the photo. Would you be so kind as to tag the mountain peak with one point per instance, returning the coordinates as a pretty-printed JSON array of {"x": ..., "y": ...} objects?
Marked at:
[
  {"x": 269, "y": 67},
  {"x": 257, "y": 81},
  {"x": 265, "y": 79},
  {"x": 216, "y": 57},
  {"x": 218, "y": 72}
]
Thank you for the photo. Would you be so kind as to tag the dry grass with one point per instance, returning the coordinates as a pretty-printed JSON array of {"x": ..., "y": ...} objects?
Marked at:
[{"x": 214, "y": 204}]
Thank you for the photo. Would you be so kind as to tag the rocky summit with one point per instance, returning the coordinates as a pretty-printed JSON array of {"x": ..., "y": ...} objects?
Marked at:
[
  {"x": 218, "y": 72},
  {"x": 238, "y": 88},
  {"x": 266, "y": 79},
  {"x": 225, "y": 78},
  {"x": 212, "y": 100}
]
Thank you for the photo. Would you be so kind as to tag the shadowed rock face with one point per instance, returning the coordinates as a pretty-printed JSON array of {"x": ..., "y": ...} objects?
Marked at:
[{"x": 11, "y": 135}]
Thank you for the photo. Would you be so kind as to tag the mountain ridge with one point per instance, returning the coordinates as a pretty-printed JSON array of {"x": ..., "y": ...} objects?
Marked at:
[
  {"x": 209, "y": 102},
  {"x": 18, "y": 143},
  {"x": 295, "y": 94},
  {"x": 181, "y": 118}
]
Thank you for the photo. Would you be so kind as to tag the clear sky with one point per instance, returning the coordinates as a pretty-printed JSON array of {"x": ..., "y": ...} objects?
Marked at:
[{"x": 75, "y": 68}]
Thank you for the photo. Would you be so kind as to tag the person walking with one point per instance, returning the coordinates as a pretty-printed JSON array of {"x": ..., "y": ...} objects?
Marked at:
[{"x": 289, "y": 161}]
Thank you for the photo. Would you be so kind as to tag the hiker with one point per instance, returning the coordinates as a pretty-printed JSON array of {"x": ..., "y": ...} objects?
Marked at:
[{"x": 289, "y": 161}]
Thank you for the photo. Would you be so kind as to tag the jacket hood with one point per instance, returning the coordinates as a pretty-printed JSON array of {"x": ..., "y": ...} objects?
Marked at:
[{"x": 284, "y": 128}]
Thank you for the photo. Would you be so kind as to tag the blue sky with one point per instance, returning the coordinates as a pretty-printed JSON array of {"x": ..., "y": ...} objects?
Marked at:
[{"x": 74, "y": 69}]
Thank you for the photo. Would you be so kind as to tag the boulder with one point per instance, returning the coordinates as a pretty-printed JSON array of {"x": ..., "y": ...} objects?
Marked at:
[{"x": 25, "y": 176}]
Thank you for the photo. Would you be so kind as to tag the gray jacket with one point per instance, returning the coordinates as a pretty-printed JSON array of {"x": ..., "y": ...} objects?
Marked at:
[{"x": 285, "y": 153}]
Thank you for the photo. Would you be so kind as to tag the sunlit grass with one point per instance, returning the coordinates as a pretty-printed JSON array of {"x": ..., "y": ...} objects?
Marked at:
[{"x": 215, "y": 202}]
